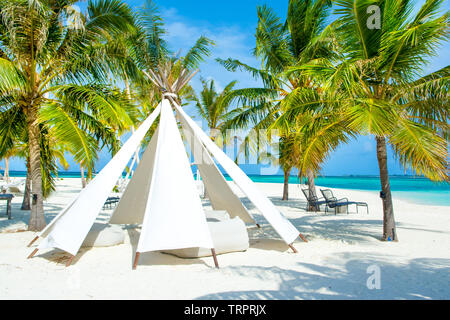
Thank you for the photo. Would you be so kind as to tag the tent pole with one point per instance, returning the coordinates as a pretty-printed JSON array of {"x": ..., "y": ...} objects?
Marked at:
[
  {"x": 303, "y": 238},
  {"x": 293, "y": 248},
  {"x": 215, "y": 258},
  {"x": 69, "y": 262},
  {"x": 32, "y": 241},
  {"x": 136, "y": 259},
  {"x": 33, "y": 253}
]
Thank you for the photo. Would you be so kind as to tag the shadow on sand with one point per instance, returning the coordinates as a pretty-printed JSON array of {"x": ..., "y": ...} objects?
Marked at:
[{"x": 350, "y": 281}]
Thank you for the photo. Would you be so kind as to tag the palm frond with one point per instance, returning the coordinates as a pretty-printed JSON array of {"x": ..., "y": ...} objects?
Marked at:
[
  {"x": 65, "y": 130},
  {"x": 197, "y": 53},
  {"x": 234, "y": 65},
  {"x": 418, "y": 148}
]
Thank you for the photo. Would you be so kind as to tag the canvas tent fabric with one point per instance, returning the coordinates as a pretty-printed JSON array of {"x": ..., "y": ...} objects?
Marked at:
[
  {"x": 219, "y": 192},
  {"x": 223, "y": 242},
  {"x": 132, "y": 205},
  {"x": 281, "y": 225},
  {"x": 69, "y": 228},
  {"x": 162, "y": 194},
  {"x": 174, "y": 217},
  {"x": 216, "y": 215}
]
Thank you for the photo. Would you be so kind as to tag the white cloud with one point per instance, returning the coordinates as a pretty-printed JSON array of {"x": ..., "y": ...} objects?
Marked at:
[{"x": 230, "y": 41}]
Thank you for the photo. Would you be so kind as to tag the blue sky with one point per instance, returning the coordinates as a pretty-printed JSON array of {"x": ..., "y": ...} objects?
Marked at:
[{"x": 231, "y": 24}]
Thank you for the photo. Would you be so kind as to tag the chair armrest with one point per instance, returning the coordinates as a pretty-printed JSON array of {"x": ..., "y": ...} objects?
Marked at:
[{"x": 332, "y": 200}]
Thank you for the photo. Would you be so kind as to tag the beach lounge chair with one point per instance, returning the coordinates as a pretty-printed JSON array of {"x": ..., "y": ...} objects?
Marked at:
[
  {"x": 110, "y": 202},
  {"x": 8, "y": 198},
  {"x": 313, "y": 201},
  {"x": 334, "y": 203},
  {"x": 17, "y": 187}
]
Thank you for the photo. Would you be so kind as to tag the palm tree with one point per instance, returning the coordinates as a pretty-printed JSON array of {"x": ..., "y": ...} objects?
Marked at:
[
  {"x": 376, "y": 85},
  {"x": 17, "y": 151},
  {"x": 44, "y": 61},
  {"x": 213, "y": 106},
  {"x": 315, "y": 131},
  {"x": 6, "y": 170},
  {"x": 81, "y": 137},
  {"x": 280, "y": 46}
]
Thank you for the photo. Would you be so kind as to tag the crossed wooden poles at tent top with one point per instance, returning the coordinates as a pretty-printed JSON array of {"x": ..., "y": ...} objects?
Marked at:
[{"x": 160, "y": 78}]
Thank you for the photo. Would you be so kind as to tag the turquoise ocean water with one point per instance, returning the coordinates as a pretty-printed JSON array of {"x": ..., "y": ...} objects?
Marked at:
[{"x": 416, "y": 189}]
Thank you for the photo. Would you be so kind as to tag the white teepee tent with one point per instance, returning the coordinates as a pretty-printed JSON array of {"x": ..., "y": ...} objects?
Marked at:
[{"x": 162, "y": 194}]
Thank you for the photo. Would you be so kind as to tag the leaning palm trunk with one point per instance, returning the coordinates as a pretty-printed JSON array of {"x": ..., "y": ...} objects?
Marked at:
[
  {"x": 389, "y": 231},
  {"x": 7, "y": 169},
  {"x": 312, "y": 188},
  {"x": 37, "y": 220},
  {"x": 287, "y": 173},
  {"x": 27, "y": 193},
  {"x": 83, "y": 178}
]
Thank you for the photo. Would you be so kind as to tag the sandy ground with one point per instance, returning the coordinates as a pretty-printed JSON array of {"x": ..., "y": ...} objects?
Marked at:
[{"x": 342, "y": 255}]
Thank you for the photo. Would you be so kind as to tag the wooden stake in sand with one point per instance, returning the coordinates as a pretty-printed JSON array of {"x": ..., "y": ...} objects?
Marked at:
[
  {"x": 303, "y": 238},
  {"x": 33, "y": 253},
  {"x": 136, "y": 259},
  {"x": 32, "y": 241},
  {"x": 293, "y": 248},
  {"x": 69, "y": 262},
  {"x": 215, "y": 258}
]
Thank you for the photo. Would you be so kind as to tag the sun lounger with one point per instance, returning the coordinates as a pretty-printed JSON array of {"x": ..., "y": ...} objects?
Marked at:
[
  {"x": 334, "y": 203},
  {"x": 313, "y": 201},
  {"x": 8, "y": 198},
  {"x": 110, "y": 202},
  {"x": 15, "y": 188}
]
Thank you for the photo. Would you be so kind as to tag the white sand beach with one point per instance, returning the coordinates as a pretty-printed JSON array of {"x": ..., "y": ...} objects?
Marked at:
[{"x": 331, "y": 265}]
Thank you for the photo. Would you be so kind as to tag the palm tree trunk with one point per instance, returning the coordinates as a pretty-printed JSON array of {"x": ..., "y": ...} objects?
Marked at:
[
  {"x": 83, "y": 178},
  {"x": 7, "y": 169},
  {"x": 389, "y": 231},
  {"x": 311, "y": 188},
  {"x": 287, "y": 173},
  {"x": 37, "y": 220},
  {"x": 27, "y": 193}
]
